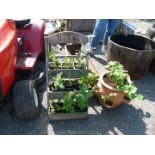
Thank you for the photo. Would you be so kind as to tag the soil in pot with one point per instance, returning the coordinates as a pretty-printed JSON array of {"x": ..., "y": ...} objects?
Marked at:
[
  {"x": 74, "y": 49},
  {"x": 57, "y": 104},
  {"x": 61, "y": 66},
  {"x": 69, "y": 85},
  {"x": 55, "y": 66},
  {"x": 67, "y": 66},
  {"x": 79, "y": 66}
]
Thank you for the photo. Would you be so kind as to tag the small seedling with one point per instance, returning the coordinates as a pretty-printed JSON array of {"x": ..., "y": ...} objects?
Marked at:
[
  {"x": 67, "y": 63},
  {"x": 79, "y": 60},
  {"x": 58, "y": 81},
  {"x": 104, "y": 97},
  {"x": 52, "y": 57},
  {"x": 90, "y": 79}
]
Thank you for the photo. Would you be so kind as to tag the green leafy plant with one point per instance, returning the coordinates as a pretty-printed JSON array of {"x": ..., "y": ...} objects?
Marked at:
[
  {"x": 90, "y": 79},
  {"x": 117, "y": 74},
  {"x": 79, "y": 60},
  {"x": 58, "y": 81},
  {"x": 85, "y": 94},
  {"x": 67, "y": 63},
  {"x": 104, "y": 97},
  {"x": 73, "y": 100},
  {"x": 52, "y": 57},
  {"x": 68, "y": 104},
  {"x": 55, "y": 105}
]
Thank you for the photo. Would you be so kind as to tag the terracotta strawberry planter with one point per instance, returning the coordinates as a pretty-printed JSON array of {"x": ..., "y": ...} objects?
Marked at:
[{"x": 105, "y": 89}]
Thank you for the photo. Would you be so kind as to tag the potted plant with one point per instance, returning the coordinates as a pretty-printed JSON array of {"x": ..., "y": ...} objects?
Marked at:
[
  {"x": 58, "y": 85},
  {"x": 72, "y": 105},
  {"x": 89, "y": 79},
  {"x": 67, "y": 63},
  {"x": 70, "y": 66},
  {"x": 79, "y": 61},
  {"x": 52, "y": 59},
  {"x": 115, "y": 87}
]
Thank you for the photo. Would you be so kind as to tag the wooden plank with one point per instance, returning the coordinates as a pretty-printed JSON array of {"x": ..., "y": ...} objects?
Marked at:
[
  {"x": 67, "y": 37},
  {"x": 67, "y": 116}
]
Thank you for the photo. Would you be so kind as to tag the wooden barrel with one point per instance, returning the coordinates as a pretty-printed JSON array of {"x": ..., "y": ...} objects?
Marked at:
[{"x": 134, "y": 52}]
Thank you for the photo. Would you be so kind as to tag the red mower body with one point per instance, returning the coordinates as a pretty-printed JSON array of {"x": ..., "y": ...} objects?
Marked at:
[
  {"x": 33, "y": 34},
  {"x": 8, "y": 55}
]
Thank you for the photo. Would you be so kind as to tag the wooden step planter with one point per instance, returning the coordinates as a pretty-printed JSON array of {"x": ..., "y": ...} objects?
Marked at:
[
  {"x": 67, "y": 116},
  {"x": 73, "y": 72},
  {"x": 67, "y": 72},
  {"x": 64, "y": 115},
  {"x": 58, "y": 93}
]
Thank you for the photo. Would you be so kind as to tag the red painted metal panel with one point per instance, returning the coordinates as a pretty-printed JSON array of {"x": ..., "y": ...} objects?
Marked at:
[{"x": 8, "y": 54}]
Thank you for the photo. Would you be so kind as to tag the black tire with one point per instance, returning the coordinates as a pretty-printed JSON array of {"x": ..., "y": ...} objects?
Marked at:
[
  {"x": 42, "y": 56},
  {"x": 151, "y": 31},
  {"x": 40, "y": 80},
  {"x": 21, "y": 23},
  {"x": 26, "y": 100}
]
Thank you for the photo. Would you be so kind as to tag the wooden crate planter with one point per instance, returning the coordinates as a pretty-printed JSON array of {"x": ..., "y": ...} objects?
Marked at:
[
  {"x": 67, "y": 116},
  {"x": 72, "y": 72},
  {"x": 56, "y": 93},
  {"x": 67, "y": 72},
  {"x": 53, "y": 40},
  {"x": 64, "y": 115}
]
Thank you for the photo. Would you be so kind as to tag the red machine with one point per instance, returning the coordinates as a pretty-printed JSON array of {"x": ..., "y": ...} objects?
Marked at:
[{"x": 21, "y": 43}]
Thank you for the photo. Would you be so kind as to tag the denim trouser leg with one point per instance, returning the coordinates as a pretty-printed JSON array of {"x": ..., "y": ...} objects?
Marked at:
[
  {"x": 99, "y": 28},
  {"x": 111, "y": 27}
]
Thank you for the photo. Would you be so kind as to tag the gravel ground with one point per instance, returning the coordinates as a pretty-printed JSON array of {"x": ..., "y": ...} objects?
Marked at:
[{"x": 135, "y": 118}]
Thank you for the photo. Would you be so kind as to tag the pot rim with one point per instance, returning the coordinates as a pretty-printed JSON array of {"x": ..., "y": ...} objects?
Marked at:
[
  {"x": 109, "y": 87},
  {"x": 151, "y": 51}
]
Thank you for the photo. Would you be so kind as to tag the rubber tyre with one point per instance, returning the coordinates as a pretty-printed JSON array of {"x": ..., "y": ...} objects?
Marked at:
[
  {"x": 41, "y": 79},
  {"x": 22, "y": 23},
  {"x": 26, "y": 100},
  {"x": 42, "y": 56},
  {"x": 151, "y": 31}
]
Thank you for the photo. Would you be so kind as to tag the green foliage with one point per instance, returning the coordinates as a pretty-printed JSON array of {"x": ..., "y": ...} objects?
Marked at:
[
  {"x": 58, "y": 81},
  {"x": 67, "y": 63},
  {"x": 104, "y": 97},
  {"x": 89, "y": 79},
  {"x": 77, "y": 99},
  {"x": 73, "y": 100},
  {"x": 54, "y": 105},
  {"x": 79, "y": 60},
  {"x": 112, "y": 94},
  {"x": 52, "y": 57},
  {"x": 68, "y": 104},
  {"x": 120, "y": 76}
]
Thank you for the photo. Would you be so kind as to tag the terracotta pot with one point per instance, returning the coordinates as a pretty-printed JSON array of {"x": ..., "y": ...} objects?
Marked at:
[
  {"x": 73, "y": 48},
  {"x": 105, "y": 89}
]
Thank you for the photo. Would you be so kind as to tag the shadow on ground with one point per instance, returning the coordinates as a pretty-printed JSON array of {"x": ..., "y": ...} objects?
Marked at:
[
  {"x": 11, "y": 125},
  {"x": 124, "y": 120},
  {"x": 146, "y": 86}
]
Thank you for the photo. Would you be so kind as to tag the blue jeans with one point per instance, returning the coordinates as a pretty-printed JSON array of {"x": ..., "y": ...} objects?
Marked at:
[{"x": 107, "y": 25}]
